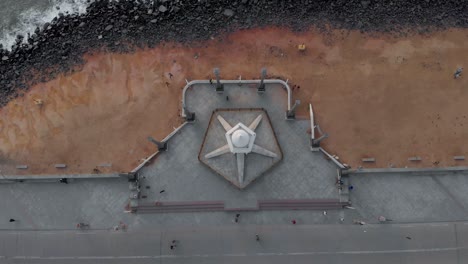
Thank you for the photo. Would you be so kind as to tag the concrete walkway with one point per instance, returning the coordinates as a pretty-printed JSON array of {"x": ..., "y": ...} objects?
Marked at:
[{"x": 419, "y": 243}]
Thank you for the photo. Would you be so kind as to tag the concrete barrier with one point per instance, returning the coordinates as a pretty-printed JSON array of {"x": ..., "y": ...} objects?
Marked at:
[
  {"x": 421, "y": 171},
  {"x": 341, "y": 166},
  {"x": 55, "y": 178}
]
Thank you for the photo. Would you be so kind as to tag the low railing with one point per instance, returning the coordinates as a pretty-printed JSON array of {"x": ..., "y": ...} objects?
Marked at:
[{"x": 268, "y": 81}]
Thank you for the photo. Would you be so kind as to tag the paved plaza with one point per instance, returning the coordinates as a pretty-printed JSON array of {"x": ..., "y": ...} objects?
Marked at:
[{"x": 301, "y": 174}]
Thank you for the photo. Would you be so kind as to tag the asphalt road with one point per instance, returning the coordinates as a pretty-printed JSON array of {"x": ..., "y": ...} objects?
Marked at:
[{"x": 382, "y": 243}]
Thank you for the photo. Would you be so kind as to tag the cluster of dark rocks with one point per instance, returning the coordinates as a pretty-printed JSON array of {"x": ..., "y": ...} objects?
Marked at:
[{"x": 122, "y": 26}]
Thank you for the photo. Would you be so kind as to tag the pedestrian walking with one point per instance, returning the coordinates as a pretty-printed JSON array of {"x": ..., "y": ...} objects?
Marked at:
[
  {"x": 173, "y": 244},
  {"x": 350, "y": 187},
  {"x": 458, "y": 72},
  {"x": 237, "y": 218},
  {"x": 324, "y": 212},
  {"x": 12, "y": 220},
  {"x": 257, "y": 237},
  {"x": 359, "y": 222},
  {"x": 64, "y": 180},
  {"x": 227, "y": 98},
  {"x": 293, "y": 221},
  {"x": 170, "y": 75},
  {"x": 162, "y": 191},
  {"x": 383, "y": 219},
  {"x": 82, "y": 225},
  {"x": 211, "y": 81}
]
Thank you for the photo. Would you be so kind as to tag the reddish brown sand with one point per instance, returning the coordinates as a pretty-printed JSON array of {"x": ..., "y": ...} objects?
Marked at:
[{"x": 378, "y": 97}]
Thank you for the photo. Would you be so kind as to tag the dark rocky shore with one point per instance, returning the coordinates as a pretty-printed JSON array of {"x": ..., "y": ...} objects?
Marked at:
[{"x": 122, "y": 26}]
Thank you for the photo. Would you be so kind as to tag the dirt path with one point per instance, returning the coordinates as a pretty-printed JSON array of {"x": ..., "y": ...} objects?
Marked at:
[{"x": 381, "y": 97}]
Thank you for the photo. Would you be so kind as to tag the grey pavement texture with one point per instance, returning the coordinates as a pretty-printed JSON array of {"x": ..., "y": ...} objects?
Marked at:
[
  {"x": 46, "y": 205},
  {"x": 410, "y": 198},
  {"x": 385, "y": 243},
  {"x": 301, "y": 174}
]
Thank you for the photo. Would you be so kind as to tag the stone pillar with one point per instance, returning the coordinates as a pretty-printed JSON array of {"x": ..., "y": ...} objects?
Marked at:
[
  {"x": 291, "y": 114},
  {"x": 162, "y": 146},
  {"x": 261, "y": 87},
  {"x": 132, "y": 176},
  {"x": 189, "y": 116},
  {"x": 316, "y": 142},
  {"x": 219, "y": 86}
]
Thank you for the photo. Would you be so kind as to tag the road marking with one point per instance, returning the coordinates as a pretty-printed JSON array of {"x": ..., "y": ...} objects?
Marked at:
[
  {"x": 439, "y": 224},
  {"x": 242, "y": 254}
]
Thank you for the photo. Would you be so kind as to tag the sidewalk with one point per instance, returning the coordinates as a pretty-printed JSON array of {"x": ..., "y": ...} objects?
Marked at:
[{"x": 415, "y": 243}]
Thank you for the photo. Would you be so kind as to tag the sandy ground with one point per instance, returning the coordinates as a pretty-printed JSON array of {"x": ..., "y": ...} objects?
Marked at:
[{"x": 381, "y": 97}]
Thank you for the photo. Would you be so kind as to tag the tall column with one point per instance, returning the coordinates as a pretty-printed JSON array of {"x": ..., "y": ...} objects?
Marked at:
[
  {"x": 219, "y": 86},
  {"x": 189, "y": 116},
  {"x": 316, "y": 142},
  {"x": 162, "y": 146},
  {"x": 291, "y": 114},
  {"x": 261, "y": 87}
]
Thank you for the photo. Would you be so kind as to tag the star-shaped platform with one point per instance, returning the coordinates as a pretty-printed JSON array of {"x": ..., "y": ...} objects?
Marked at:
[{"x": 240, "y": 145}]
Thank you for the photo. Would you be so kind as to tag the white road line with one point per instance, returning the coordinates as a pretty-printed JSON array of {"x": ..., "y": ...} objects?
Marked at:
[
  {"x": 243, "y": 254},
  {"x": 439, "y": 224}
]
